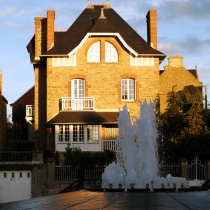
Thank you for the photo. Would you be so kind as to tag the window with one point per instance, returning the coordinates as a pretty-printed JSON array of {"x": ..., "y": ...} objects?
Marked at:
[
  {"x": 92, "y": 133},
  {"x": 64, "y": 133},
  {"x": 111, "y": 54},
  {"x": 128, "y": 90},
  {"x": 20, "y": 175},
  {"x": 141, "y": 61},
  {"x": 78, "y": 133},
  {"x": 64, "y": 61},
  {"x": 77, "y": 94},
  {"x": 111, "y": 133},
  {"x": 110, "y": 51},
  {"x": 93, "y": 54}
]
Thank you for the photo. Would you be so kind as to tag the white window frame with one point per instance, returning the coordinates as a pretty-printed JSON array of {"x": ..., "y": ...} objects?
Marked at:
[
  {"x": 128, "y": 89},
  {"x": 94, "y": 53},
  {"x": 111, "y": 53},
  {"x": 92, "y": 133},
  {"x": 64, "y": 61},
  {"x": 72, "y": 134},
  {"x": 141, "y": 61},
  {"x": 77, "y": 94}
]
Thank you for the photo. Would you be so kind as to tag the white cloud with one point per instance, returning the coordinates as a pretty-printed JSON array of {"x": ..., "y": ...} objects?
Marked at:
[{"x": 8, "y": 11}]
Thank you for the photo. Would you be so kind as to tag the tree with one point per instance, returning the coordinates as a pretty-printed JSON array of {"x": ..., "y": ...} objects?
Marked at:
[{"x": 184, "y": 127}]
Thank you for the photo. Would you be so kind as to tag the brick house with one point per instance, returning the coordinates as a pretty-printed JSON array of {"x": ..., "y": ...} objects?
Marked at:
[
  {"x": 3, "y": 117},
  {"x": 84, "y": 75}
]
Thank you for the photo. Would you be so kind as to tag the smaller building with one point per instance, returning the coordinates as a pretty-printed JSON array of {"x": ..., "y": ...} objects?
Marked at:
[
  {"x": 22, "y": 112},
  {"x": 177, "y": 76},
  {"x": 3, "y": 117}
]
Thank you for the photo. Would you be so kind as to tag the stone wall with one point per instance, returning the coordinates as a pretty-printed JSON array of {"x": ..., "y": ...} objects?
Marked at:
[{"x": 103, "y": 80}]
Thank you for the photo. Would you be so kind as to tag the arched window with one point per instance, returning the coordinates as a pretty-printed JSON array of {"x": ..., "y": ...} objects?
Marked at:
[
  {"x": 93, "y": 54},
  {"x": 111, "y": 54},
  {"x": 128, "y": 89}
]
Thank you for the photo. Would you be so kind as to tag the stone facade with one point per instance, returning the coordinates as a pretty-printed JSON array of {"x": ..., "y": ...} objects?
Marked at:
[
  {"x": 3, "y": 116},
  {"x": 102, "y": 79}
]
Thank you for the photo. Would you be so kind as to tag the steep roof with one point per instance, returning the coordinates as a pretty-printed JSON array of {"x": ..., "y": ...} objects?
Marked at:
[
  {"x": 27, "y": 97},
  {"x": 89, "y": 21}
]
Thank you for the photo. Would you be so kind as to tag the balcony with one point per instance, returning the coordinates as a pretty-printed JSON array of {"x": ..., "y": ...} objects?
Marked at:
[
  {"x": 20, "y": 158},
  {"x": 81, "y": 103},
  {"x": 29, "y": 112}
]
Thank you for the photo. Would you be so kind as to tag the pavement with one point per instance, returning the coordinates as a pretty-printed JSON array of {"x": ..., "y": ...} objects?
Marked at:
[{"x": 90, "y": 200}]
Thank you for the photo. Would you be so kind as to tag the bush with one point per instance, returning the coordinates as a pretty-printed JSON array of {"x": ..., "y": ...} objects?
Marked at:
[{"x": 76, "y": 158}]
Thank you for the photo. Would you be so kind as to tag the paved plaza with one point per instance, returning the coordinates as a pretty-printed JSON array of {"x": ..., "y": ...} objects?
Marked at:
[{"x": 116, "y": 200}]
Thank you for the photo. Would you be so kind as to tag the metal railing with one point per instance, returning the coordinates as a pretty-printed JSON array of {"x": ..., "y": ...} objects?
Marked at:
[
  {"x": 65, "y": 173},
  {"x": 81, "y": 103},
  {"x": 173, "y": 168},
  {"x": 15, "y": 156},
  {"x": 69, "y": 173},
  {"x": 21, "y": 158},
  {"x": 110, "y": 144}
]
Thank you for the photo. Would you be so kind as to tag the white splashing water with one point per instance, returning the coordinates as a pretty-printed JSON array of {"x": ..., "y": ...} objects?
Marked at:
[{"x": 137, "y": 161}]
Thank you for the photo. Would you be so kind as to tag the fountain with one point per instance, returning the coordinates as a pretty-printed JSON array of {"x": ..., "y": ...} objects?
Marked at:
[{"x": 137, "y": 160}]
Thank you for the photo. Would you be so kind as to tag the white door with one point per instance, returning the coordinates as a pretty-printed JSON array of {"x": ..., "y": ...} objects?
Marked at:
[
  {"x": 15, "y": 185},
  {"x": 77, "y": 94}
]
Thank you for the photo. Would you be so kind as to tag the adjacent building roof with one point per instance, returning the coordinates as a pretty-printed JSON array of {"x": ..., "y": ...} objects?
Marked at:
[
  {"x": 4, "y": 99},
  {"x": 85, "y": 117},
  {"x": 192, "y": 71}
]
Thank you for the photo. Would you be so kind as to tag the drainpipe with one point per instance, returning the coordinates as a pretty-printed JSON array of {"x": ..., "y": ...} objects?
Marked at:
[{"x": 206, "y": 93}]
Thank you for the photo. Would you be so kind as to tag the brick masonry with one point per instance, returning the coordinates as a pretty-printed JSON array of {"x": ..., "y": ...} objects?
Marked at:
[
  {"x": 175, "y": 74},
  {"x": 103, "y": 80}
]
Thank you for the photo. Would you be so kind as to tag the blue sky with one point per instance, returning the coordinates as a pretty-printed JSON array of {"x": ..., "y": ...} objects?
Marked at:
[{"x": 183, "y": 29}]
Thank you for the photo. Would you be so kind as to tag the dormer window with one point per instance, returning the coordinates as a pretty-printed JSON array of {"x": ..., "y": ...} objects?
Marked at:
[
  {"x": 93, "y": 54},
  {"x": 102, "y": 52},
  {"x": 111, "y": 54}
]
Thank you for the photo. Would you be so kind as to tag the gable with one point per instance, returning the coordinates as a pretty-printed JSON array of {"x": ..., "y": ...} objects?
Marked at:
[{"x": 89, "y": 24}]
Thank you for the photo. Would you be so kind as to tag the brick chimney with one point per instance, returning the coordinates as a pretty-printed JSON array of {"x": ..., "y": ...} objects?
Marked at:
[
  {"x": 40, "y": 36},
  {"x": 44, "y": 33},
  {"x": 152, "y": 28},
  {"x": 50, "y": 28},
  {"x": 175, "y": 61}
]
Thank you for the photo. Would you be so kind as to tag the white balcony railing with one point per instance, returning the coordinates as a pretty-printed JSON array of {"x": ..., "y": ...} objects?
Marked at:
[
  {"x": 81, "y": 103},
  {"x": 29, "y": 112},
  {"x": 110, "y": 144}
]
